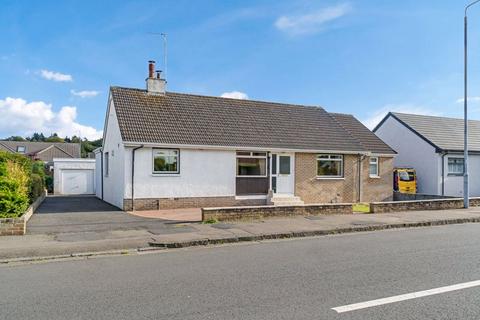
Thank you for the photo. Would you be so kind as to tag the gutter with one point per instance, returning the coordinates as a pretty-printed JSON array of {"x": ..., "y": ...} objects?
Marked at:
[{"x": 133, "y": 175}]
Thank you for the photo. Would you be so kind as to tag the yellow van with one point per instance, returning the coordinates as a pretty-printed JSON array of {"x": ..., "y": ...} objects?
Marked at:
[{"x": 405, "y": 180}]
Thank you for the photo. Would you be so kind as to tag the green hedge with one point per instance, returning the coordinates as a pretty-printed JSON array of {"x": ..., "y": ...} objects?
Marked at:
[{"x": 21, "y": 182}]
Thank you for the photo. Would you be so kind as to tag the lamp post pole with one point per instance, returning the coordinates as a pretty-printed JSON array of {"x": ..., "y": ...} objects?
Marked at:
[{"x": 466, "y": 192}]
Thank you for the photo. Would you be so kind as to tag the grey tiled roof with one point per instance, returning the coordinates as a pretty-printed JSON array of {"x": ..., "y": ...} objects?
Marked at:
[
  {"x": 186, "y": 119},
  {"x": 443, "y": 133},
  {"x": 44, "y": 151},
  {"x": 362, "y": 134}
]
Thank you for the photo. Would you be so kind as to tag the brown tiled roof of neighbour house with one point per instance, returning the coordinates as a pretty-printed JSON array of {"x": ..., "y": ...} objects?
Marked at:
[
  {"x": 44, "y": 151},
  {"x": 362, "y": 134},
  {"x": 187, "y": 119}
]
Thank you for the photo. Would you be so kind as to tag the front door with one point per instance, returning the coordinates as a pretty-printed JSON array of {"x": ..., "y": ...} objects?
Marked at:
[{"x": 282, "y": 167}]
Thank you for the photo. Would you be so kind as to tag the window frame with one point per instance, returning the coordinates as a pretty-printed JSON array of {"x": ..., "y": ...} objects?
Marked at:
[
  {"x": 243, "y": 154},
  {"x": 328, "y": 157},
  {"x": 24, "y": 149},
  {"x": 106, "y": 159},
  {"x": 377, "y": 163},
  {"x": 177, "y": 172},
  {"x": 455, "y": 173}
]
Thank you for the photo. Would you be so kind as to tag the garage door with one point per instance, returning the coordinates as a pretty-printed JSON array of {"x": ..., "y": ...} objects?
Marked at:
[{"x": 77, "y": 182}]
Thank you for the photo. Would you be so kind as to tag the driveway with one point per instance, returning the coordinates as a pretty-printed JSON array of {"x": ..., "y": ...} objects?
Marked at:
[{"x": 74, "y": 218}]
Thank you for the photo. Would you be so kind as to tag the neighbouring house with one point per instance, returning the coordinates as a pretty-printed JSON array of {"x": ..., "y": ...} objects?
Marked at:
[
  {"x": 165, "y": 150},
  {"x": 44, "y": 151},
  {"x": 433, "y": 146}
]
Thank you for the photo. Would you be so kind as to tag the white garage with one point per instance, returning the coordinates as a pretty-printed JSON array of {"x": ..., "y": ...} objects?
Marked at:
[{"x": 73, "y": 176}]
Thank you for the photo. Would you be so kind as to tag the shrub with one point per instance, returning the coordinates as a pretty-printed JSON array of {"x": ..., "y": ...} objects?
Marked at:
[
  {"x": 21, "y": 182},
  {"x": 14, "y": 189},
  {"x": 37, "y": 186},
  {"x": 49, "y": 183}
]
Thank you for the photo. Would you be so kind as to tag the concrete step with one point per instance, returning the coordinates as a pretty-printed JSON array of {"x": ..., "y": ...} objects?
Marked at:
[{"x": 287, "y": 201}]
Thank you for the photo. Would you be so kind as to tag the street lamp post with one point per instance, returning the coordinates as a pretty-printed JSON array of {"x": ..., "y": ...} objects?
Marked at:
[{"x": 466, "y": 192}]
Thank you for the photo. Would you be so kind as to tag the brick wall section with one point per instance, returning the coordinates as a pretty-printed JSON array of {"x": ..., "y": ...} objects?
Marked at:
[
  {"x": 261, "y": 212},
  {"x": 377, "y": 189},
  {"x": 314, "y": 190},
  {"x": 191, "y": 202},
  {"x": 12, "y": 226},
  {"x": 434, "y": 204}
]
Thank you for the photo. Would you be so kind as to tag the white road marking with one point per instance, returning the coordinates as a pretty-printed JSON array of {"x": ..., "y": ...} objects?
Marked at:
[{"x": 407, "y": 296}]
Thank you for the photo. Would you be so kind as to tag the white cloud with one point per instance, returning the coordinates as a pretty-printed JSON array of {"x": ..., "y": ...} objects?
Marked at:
[
  {"x": 23, "y": 118},
  {"x": 311, "y": 22},
  {"x": 85, "y": 93},
  {"x": 55, "y": 76},
  {"x": 235, "y": 95},
  {"x": 379, "y": 114},
  {"x": 469, "y": 99}
]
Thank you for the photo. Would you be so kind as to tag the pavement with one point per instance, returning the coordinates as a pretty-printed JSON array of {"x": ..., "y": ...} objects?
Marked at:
[
  {"x": 296, "y": 279},
  {"x": 79, "y": 226}
]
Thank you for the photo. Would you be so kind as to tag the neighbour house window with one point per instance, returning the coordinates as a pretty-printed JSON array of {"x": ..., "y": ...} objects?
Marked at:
[
  {"x": 21, "y": 149},
  {"x": 455, "y": 166},
  {"x": 373, "y": 167},
  {"x": 330, "y": 166},
  {"x": 251, "y": 164},
  {"x": 166, "y": 161},
  {"x": 107, "y": 165}
]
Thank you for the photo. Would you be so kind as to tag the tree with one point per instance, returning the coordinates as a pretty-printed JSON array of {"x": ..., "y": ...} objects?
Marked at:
[
  {"x": 54, "y": 138},
  {"x": 15, "y": 138}
]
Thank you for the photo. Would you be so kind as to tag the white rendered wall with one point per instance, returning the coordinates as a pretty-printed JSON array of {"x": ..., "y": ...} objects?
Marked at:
[
  {"x": 413, "y": 152},
  {"x": 454, "y": 183},
  {"x": 203, "y": 173},
  {"x": 113, "y": 184},
  {"x": 69, "y": 164}
]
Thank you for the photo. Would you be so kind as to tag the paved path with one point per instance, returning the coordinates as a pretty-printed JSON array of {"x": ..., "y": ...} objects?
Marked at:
[{"x": 294, "y": 279}]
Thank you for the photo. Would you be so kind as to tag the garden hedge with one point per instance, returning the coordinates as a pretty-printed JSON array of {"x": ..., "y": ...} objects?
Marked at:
[{"x": 21, "y": 182}]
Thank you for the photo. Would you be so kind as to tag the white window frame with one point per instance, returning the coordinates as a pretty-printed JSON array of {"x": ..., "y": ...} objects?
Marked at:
[
  {"x": 455, "y": 173},
  {"x": 21, "y": 147},
  {"x": 330, "y": 157},
  {"x": 376, "y": 163},
  {"x": 177, "y": 172},
  {"x": 251, "y": 156}
]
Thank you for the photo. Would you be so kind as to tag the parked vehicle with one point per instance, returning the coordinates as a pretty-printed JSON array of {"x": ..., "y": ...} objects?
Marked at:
[{"x": 405, "y": 180}]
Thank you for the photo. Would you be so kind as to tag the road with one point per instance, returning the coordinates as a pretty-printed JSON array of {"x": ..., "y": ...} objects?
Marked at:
[{"x": 288, "y": 279}]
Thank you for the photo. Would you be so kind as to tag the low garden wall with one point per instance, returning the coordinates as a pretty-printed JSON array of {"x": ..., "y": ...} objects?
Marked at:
[
  {"x": 18, "y": 226},
  {"x": 260, "y": 212},
  {"x": 418, "y": 205},
  {"x": 398, "y": 196}
]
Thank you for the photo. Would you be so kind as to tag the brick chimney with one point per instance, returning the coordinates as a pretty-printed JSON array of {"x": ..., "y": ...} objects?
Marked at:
[{"x": 155, "y": 83}]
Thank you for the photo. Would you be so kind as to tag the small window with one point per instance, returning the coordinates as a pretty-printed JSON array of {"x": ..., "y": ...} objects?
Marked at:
[
  {"x": 166, "y": 161},
  {"x": 21, "y": 149},
  {"x": 107, "y": 165},
  {"x": 284, "y": 164},
  {"x": 373, "y": 167},
  {"x": 455, "y": 166},
  {"x": 251, "y": 164},
  {"x": 330, "y": 166}
]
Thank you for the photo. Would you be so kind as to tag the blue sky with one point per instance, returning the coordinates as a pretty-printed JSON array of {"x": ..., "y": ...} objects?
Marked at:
[{"x": 58, "y": 58}]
